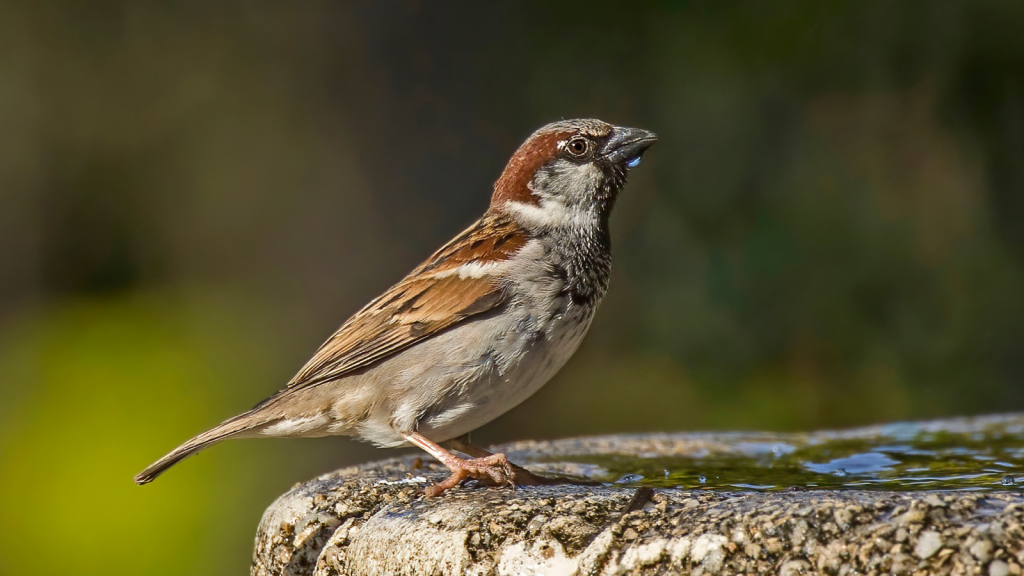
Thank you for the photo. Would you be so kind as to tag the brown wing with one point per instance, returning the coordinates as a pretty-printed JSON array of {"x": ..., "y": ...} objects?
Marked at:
[{"x": 433, "y": 298}]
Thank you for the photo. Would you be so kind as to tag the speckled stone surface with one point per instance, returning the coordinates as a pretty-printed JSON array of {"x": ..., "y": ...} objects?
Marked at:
[{"x": 371, "y": 520}]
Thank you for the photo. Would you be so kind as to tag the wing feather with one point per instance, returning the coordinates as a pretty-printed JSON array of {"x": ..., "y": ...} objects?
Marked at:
[{"x": 433, "y": 298}]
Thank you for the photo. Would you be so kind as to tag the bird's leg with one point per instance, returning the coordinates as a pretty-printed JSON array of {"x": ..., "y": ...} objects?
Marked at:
[
  {"x": 492, "y": 469},
  {"x": 464, "y": 445},
  {"x": 523, "y": 476}
]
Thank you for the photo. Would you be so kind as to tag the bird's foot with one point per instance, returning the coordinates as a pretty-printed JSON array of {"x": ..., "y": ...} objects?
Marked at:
[
  {"x": 493, "y": 470},
  {"x": 483, "y": 466}
]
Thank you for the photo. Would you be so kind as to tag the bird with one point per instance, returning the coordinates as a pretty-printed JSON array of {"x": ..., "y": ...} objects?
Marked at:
[{"x": 474, "y": 330}]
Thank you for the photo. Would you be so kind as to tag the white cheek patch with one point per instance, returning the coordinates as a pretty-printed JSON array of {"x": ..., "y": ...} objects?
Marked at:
[
  {"x": 566, "y": 197},
  {"x": 552, "y": 214},
  {"x": 585, "y": 181},
  {"x": 548, "y": 214}
]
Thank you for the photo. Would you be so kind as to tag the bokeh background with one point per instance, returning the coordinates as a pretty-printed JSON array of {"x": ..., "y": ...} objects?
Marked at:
[{"x": 194, "y": 195}]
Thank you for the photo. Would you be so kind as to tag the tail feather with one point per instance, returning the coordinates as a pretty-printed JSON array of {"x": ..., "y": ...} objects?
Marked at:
[{"x": 224, "y": 431}]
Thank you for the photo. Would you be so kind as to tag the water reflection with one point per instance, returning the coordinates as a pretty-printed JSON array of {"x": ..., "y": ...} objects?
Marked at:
[
  {"x": 867, "y": 463},
  {"x": 986, "y": 454}
]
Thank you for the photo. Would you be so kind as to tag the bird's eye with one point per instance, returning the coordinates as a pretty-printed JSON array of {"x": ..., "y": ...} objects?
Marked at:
[{"x": 578, "y": 147}]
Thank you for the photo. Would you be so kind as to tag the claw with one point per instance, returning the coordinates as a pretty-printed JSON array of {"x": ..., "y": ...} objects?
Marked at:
[
  {"x": 487, "y": 468},
  {"x": 493, "y": 470}
]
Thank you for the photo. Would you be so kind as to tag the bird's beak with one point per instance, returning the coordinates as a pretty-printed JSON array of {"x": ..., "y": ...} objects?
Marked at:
[{"x": 628, "y": 145}]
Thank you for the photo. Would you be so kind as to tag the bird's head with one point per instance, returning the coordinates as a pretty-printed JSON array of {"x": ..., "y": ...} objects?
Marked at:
[{"x": 568, "y": 173}]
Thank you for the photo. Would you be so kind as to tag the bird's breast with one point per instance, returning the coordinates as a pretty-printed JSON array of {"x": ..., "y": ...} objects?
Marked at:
[{"x": 472, "y": 373}]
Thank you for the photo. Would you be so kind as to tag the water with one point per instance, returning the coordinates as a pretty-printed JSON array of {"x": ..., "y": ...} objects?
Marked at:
[{"x": 982, "y": 454}]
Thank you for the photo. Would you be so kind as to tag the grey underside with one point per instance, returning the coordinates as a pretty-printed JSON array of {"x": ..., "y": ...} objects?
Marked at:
[{"x": 443, "y": 387}]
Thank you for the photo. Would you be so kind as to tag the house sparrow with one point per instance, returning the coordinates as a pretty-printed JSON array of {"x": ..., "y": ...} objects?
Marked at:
[{"x": 477, "y": 328}]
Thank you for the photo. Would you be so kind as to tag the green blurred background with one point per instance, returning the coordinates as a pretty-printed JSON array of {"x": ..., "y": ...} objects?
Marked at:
[{"x": 193, "y": 196}]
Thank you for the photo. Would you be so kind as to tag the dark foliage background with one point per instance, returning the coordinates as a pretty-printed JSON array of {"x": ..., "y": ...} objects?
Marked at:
[{"x": 194, "y": 195}]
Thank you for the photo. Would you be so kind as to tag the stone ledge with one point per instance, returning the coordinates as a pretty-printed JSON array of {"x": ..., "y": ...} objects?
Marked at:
[{"x": 370, "y": 520}]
